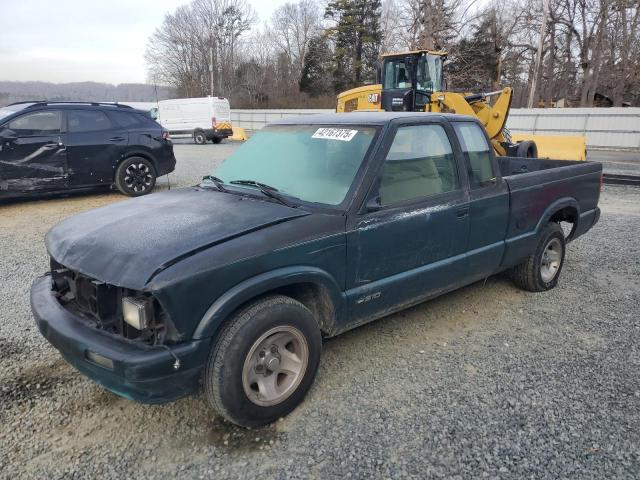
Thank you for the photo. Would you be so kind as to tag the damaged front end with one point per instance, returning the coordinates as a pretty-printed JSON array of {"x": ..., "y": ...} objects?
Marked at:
[
  {"x": 102, "y": 306},
  {"x": 121, "y": 338}
]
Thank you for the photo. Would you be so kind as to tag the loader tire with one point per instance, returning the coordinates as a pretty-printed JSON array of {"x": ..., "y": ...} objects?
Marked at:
[{"x": 527, "y": 149}]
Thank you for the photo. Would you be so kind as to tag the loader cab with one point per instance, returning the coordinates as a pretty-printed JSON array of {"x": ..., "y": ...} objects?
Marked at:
[{"x": 408, "y": 80}]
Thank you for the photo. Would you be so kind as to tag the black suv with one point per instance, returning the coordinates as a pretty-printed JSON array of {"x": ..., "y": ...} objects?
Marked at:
[{"x": 48, "y": 147}]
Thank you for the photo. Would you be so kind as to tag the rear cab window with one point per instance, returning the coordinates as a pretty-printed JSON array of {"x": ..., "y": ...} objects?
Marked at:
[{"x": 477, "y": 154}]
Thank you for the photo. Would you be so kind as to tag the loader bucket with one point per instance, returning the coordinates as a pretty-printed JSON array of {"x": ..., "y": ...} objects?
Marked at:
[{"x": 557, "y": 147}]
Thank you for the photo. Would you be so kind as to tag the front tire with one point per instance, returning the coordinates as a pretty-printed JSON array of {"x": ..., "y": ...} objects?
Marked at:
[
  {"x": 135, "y": 176},
  {"x": 216, "y": 140},
  {"x": 541, "y": 271},
  {"x": 263, "y": 362}
]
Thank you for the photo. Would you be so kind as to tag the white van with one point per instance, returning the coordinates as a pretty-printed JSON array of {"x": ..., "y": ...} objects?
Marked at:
[{"x": 207, "y": 118}]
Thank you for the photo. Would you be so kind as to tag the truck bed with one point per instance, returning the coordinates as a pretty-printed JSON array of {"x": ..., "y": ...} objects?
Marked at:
[{"x": 539, "y": 186}]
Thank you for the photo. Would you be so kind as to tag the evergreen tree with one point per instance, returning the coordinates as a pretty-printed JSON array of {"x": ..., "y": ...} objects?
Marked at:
[
  {"x": 356, "y": 36},
  {"x": 316, "y": 70},
  {"x": 476, "y": 60}
]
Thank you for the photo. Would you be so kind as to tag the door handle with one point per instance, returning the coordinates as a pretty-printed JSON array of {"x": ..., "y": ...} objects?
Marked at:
[
  {"x": 116, "y": 139},
  {"x": 462, "y": 212}
]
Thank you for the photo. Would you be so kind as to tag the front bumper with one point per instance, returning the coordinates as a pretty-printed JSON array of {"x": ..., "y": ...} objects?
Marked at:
[{"x": 142, "y": 373}]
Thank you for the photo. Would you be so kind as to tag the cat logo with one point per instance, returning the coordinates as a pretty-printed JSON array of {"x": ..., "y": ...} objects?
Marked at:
[
  {"x": 373, "y": 97},
  {"x": 368, "y": 298}
]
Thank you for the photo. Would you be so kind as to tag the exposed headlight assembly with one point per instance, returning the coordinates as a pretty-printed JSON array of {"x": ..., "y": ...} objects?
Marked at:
[{"x": 137, "y": 311}]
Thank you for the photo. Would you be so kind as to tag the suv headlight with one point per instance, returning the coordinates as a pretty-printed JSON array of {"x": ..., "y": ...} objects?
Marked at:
[{"x": 137, "y": 311}]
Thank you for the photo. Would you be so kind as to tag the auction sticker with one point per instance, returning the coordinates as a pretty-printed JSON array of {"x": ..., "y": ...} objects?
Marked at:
[{"x": 341, "y": 134}]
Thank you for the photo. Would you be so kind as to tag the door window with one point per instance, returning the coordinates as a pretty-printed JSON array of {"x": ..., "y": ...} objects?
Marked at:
[
  {"x": 87, "y": 121},
  {"x": 37, "y": 124},
  {"x": 477, "y": 153},
  {"x": 420, "y": 163}
]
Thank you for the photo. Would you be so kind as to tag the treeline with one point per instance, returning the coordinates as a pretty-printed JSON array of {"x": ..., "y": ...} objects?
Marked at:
[
  {"x": 11, "y": 92},
  {"x": 310, "y": 50}
]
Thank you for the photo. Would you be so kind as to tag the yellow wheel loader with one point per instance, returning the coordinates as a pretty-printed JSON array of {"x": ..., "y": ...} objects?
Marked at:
[{"x": 413, "y": 82}]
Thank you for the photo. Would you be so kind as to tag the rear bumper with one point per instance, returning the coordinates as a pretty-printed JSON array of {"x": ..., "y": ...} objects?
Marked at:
[
  {"x": 218, "y": 133},
  {"x": 142, "y": 373}
]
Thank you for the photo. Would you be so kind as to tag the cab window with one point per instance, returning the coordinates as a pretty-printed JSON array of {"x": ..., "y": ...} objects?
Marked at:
[
  {"x": 37, "y": 124},
  {"x": 477, "y": 153},
  {"x": 420, "y": 163}
]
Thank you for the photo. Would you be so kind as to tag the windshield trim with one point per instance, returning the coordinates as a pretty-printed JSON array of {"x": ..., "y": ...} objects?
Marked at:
[{"x": 318, "y": 206}]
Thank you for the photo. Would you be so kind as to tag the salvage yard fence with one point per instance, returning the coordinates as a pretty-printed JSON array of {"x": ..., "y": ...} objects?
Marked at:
[{"x": 605, "y": 128}]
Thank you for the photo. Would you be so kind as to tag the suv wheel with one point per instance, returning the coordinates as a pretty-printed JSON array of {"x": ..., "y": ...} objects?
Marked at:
[
  {"x": 199, "y": 137},
  {"x": 541, "y": 270},
  {"x": 135, "y": 176},
  {"x": 263, "y": 361}
]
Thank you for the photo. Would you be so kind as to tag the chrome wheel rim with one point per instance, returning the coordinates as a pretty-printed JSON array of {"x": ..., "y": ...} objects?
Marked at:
[
  {"x": 138, "y": 177},
  {"x": 275, "y": 365},
  {"x": 200, "y": 138},
  {"x": 551, "y": 260}
]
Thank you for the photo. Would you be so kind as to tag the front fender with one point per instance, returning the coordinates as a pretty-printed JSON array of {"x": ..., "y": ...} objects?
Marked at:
[{"x": 253, "y": 287}]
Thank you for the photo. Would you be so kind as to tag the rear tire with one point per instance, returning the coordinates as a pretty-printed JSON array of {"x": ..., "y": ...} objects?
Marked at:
[
  {"x": 541, "y": 271},
  {"x": 217, "y": 140},
  {"x": 135, "y": 176},
  {"x": 263, "y": 361},
  {"x": 199, "y": 137}
]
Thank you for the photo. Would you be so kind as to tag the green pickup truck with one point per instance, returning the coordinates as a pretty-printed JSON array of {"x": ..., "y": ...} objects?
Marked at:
[{"x": 316, "y": 225}]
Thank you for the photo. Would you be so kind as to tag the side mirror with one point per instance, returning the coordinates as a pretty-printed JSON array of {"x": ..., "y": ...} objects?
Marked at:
[
  {"x": 6, "y": 134},
  {"x": 373, "y": 205}
]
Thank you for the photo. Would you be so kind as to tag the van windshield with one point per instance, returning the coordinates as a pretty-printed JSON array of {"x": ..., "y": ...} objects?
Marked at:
[{"x": 314, "y": 163}]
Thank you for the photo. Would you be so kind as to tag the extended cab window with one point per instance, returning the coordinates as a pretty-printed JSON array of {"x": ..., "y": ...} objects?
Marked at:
[
  {"x": 477, "y": 153},
  {"x": 420, "y": 163},
  {"x": 37, "y": 124},
  {"x": 87, "y": 121}
]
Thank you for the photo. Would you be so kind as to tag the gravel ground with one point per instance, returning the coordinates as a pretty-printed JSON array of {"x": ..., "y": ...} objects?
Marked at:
[{"x": 485, "y": 382}]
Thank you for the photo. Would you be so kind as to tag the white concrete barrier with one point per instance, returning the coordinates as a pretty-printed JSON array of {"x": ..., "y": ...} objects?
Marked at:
[{"x": 605, "y": 128}]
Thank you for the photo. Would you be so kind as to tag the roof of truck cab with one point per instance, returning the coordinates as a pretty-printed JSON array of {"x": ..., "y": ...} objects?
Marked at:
[{"x": 364, "y": 118}]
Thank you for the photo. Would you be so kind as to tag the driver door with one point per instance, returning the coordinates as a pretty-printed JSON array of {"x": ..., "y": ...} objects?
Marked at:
[{"x": 33, "y": 153}]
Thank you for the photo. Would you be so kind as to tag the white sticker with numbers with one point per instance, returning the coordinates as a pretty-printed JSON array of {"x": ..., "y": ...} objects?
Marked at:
[{"x": 342, "y": 134}]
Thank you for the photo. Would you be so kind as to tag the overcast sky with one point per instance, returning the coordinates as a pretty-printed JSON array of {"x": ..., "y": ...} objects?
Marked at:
[{"x": 79, "y": 40}]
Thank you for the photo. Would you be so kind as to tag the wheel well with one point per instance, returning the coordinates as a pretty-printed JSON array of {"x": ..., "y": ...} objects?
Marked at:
[
  {"x": 316, "y": 298},
  {"x": 568, "y": 215},
  {"x": 141, "y": 155}
]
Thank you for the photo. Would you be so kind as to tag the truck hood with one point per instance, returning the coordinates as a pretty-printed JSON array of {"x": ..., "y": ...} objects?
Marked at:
[{"x": 127, "y": 243}]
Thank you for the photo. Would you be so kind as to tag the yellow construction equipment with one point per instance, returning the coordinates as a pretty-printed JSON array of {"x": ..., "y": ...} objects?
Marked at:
[
  {"x": 239, "y": 134},
  {"x": 413, "y": 81}
]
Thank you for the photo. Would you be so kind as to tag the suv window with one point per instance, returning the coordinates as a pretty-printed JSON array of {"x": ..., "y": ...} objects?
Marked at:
[
  {"x": 37, "y": 123},
  {"x": 87, "y": 121},
  {"x": 477, "y": 153},
  {"x": 125, "y": 120},
  {"x": 420, "y": 163}
]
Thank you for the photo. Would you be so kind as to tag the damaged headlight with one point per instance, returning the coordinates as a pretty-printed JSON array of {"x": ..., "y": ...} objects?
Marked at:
[{"x": 137, "y": 311}]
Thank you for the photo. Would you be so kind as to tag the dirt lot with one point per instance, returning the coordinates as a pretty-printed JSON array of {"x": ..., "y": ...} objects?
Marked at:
[{"x": 486, "y": 382}]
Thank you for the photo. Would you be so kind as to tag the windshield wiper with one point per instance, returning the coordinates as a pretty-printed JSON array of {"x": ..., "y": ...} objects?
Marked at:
[
  {"x": 253, "y": 183},
  {"x": 266, "y": 190},
  {"x": 216, "y": 181}
]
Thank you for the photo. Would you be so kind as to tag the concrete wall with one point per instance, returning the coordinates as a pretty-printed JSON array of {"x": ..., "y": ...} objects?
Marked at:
[{"x": 604, "y": 127}]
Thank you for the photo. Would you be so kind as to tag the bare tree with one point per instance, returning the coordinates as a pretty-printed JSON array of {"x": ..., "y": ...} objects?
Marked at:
[{"x": 292, "y": 26}]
